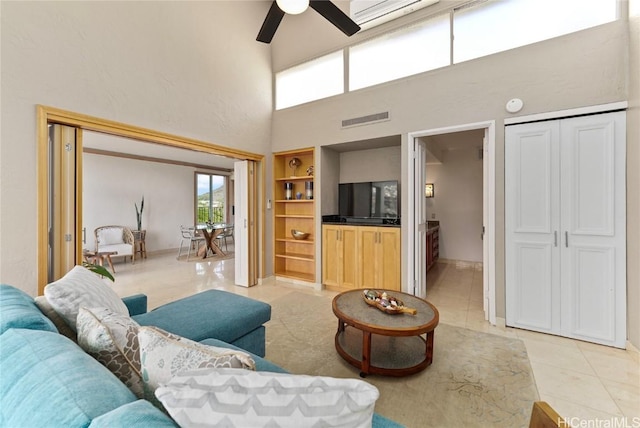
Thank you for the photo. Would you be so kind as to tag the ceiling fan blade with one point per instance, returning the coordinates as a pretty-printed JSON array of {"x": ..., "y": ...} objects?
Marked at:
[
  {"x": 270, "y": 24},
  {"x": 337, "y": 17}
]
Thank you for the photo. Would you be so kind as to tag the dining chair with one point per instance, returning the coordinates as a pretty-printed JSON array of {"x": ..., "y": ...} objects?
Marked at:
[
  {"x": 226, "y": 233},
  {"x": 189, "y": 235}
]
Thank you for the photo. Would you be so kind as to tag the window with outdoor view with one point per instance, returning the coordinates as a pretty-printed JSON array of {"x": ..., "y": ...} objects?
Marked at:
[{"x": 210, "y": 198}]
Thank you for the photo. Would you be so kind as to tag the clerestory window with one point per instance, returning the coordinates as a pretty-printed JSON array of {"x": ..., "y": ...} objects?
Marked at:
[{"x": 476, "y": 29}]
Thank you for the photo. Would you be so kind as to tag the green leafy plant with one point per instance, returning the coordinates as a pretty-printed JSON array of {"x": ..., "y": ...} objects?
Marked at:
[
  {"x": 100, "y": 270},
  {"x": 139, "y": 213}
]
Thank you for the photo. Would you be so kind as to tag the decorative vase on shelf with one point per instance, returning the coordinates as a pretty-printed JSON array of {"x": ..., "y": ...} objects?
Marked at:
[
  {"x": 288, "y": 190},
  {"x": 294, "y": 163},
  {"x": 308, "y": 187}
]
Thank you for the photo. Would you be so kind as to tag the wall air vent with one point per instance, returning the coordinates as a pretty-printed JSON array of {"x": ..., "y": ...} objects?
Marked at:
[
  {"x": 370, "y": 13},
  {"x": 366, "y": 120}
]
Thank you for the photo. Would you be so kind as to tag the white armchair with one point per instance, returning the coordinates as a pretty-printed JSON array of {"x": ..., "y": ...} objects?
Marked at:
[{"x": 115, "y": 238}]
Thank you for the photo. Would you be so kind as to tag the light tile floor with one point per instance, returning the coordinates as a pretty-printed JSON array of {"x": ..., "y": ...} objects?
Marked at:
[{"x": 583, "y": 382}]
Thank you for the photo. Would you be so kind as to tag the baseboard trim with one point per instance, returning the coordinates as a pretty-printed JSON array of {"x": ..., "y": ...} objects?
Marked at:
[{"x": 314, "y": 285}]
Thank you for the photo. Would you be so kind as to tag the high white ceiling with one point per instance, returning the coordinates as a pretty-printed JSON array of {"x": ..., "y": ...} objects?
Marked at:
[{"x": 127, "y": 146}]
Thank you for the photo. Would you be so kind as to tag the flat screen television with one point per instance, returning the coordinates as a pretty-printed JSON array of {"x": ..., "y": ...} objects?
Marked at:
[{"x": 373, "y": 199}]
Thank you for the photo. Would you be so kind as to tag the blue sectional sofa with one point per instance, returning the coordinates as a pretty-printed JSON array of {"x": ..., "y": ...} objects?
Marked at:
[
  {"x": 48, "y": 380},
  {"x": 234, "y": 319}
]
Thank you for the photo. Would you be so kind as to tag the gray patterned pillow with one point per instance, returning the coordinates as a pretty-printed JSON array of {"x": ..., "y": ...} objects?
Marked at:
[
  {"x": 163, "y": 354},
  {"x": 63, "y": 328},
  {"x": 112, "y": 339},
  {"x": 242, "y": 398}
]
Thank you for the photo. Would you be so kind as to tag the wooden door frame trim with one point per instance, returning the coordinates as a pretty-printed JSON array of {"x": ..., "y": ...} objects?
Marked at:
[
  {"x": 489, "y": 127},
  {"x": 46, "y": 115}
]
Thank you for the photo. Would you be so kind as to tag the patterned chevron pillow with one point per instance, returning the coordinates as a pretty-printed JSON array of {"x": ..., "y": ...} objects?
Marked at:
[
  {"x": 162, "y": 355},
  {"x": 242, "y": 398}
]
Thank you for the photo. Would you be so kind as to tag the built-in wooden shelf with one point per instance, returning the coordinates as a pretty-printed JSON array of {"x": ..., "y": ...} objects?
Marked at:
[
  {"x": 296, "y": 241},
  {"x": 304, "y": 276},
  {"x": 297, "y": 178},
  {"x": 293, "y": 258}
]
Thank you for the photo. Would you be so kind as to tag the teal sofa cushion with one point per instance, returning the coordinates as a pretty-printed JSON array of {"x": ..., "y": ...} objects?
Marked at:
[
  {"x": 137, "y": 304},
  {"x": 212, "y": 313},
  {"x": 140, "y": 413},
  {"x": 46, "y": 380},
  {"x": 18, "y": 310}
]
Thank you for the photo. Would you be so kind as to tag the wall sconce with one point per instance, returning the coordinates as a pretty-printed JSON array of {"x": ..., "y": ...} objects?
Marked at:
[{"x": 429, "y": 190}]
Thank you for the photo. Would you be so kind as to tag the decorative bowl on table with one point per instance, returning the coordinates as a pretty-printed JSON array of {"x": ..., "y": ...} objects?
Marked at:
[
  {"x": 298, "y": 234},
  {"x": 386, "y": 303}
]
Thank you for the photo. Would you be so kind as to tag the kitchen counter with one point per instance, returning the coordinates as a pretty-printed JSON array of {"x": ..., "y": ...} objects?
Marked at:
[
  {"x": 359, "y": 221},
  {"x": 351, "y": 223}
]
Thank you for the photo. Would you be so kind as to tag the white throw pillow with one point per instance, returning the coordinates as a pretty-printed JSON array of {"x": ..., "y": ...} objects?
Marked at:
[
  {"x": 162, "y": 355},
  {"x": 242, "y": 398},
  {"x": 81, "y": 288},
  {"x": 110, "y": 236}
]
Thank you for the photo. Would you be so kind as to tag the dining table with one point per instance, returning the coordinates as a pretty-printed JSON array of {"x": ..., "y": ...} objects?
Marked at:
[{"x": 210, "y": 233}]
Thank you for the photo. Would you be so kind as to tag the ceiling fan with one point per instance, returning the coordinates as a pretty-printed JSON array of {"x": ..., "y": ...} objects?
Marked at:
[{"x": 326, "y": 8}]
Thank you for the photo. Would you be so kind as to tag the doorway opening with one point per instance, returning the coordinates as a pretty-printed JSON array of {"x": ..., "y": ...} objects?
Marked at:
[
  {"x": 419, "y": 212},
  {"x": 80, "y": 123}
]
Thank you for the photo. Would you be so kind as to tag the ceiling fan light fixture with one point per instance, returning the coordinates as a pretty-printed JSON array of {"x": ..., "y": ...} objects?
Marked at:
[{"x": 293, "y": 7}]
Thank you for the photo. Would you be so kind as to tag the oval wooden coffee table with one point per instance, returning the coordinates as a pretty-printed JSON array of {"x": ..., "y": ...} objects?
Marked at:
[{"x": 387, "y": 344}]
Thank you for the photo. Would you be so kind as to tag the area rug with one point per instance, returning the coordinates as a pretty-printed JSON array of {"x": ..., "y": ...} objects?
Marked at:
[
  {"x": 210, "y": 258},
  {"x": 475, "y": 380}
]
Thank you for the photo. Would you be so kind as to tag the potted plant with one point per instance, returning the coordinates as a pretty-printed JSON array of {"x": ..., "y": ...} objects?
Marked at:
[
  {"x": 139, "y": 213},
  {"x": 139, "y": 235},
  {"x": 100, "y": 270}
]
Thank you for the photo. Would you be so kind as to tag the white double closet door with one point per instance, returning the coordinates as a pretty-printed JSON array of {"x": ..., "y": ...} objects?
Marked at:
[{"x": 565, "y": 227}]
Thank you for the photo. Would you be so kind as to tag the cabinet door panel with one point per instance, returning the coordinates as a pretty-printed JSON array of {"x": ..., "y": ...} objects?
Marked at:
[
  {"x": 330, "y": 256},
  {"x": 349, "y": 266},
  {"x": 588, "y": 176},
  {"x": 531, "y": 293},
  {"x": 593, "y": 222},
  {"x": 389, "y": 258},
  {"x": 532, "y": 208},
  {"x": 367, "y": 260},
  {"x": 581, "y": 266},
  {"x": 592, "y": 305}
]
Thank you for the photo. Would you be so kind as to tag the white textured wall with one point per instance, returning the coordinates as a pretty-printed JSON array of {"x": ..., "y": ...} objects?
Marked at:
[
  {"x": 113, "y": 185},
  {"x": 458, "y": 203},
  {"x": 330, "y": 178},
  {"x": 581, "y": 69},
  {"x": 187, "y": 68},
  {"x": 633, "y": 177},
  {"x": 371, "y": 165}
]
